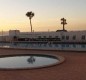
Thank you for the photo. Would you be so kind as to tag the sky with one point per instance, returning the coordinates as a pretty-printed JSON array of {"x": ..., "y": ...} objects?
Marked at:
[{"x": 47, "y": 14}]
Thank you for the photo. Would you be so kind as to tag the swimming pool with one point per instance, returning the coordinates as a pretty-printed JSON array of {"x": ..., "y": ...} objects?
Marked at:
[
  {"x": 26, "y": 45},
  {"x": 29, "y": 61}
]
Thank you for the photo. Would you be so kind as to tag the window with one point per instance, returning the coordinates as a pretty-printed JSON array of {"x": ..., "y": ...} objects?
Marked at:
[
  {"x": 83, "y": 46},
  {"x": 39, "y": 36},
  {"x": 63, "y": 37},
  {"x": 56, "y": 36},
  {"x": 74, "y": 45},
  {"x": 44, "y": 36},
  {"x": 56, "y": 45},
  {"x": 50, "y": 36},
  {"x": 83, "y": 37},
  {"x": 74, "y": 37},
  {"x": 67, "y": 37},
  {"x": 67, "y": 45},
  {"x": 62, "y": 45}
]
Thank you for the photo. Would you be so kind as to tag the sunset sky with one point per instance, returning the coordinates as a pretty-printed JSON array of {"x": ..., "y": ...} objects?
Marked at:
[{"x": 47, "y": 14}]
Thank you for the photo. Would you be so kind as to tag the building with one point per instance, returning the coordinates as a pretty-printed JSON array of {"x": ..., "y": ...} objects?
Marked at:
[{"x": 59, "y": 36}]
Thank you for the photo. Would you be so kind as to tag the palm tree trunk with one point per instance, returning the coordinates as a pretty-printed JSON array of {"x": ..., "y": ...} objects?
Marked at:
[
  {"x": 31, "y": 25},
  {"x": 63, "y": 27}
]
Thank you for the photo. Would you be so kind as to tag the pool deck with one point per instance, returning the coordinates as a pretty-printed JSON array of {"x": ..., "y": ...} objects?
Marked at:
[{"x": 73, "y": 68}]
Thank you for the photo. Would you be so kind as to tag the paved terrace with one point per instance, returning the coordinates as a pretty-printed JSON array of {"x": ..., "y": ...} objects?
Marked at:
[{"x": 74, "y": 67}]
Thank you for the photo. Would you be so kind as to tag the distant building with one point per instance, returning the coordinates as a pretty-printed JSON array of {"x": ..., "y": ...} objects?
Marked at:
[{"x": 58, "y": 36}]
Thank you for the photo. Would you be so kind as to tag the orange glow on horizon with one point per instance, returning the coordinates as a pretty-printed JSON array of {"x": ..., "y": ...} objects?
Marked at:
[{"x": 47, "y": 14}]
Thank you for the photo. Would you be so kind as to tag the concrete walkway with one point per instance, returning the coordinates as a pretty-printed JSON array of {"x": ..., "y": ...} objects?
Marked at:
[{"x": 74, "y": 68}]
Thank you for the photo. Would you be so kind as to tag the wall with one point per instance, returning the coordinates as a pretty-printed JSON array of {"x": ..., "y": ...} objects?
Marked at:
[{"x": 19, "y": 34}]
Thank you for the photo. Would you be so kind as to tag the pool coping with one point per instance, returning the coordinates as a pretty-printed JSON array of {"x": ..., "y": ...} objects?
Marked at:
[{"x": 61, "y": 60}]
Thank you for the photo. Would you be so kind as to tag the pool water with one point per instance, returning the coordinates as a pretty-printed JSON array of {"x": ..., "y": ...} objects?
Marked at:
[
  {"x": 29, "y": 61},
  {"x": 75, "y": 47}
]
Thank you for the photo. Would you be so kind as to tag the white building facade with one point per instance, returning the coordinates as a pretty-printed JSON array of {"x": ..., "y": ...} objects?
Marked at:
[{"x": 59, "y": 36}]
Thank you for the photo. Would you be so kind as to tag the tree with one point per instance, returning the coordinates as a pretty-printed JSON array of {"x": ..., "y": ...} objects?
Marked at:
[
  {"x": 30, "y": 15},
  {"x": 63, "y": 21}
]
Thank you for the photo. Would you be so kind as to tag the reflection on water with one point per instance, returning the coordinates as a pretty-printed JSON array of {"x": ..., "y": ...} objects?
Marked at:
[
  {"x": 31, "y": 59},
  {"x": 78, "y": 47},
  {"x": 27, "y": 61}
]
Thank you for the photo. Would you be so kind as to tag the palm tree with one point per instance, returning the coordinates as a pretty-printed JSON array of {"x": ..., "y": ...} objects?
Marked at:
[
  {"x": 30, "y": 15},
  {"x": 64, "y": 23}
]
